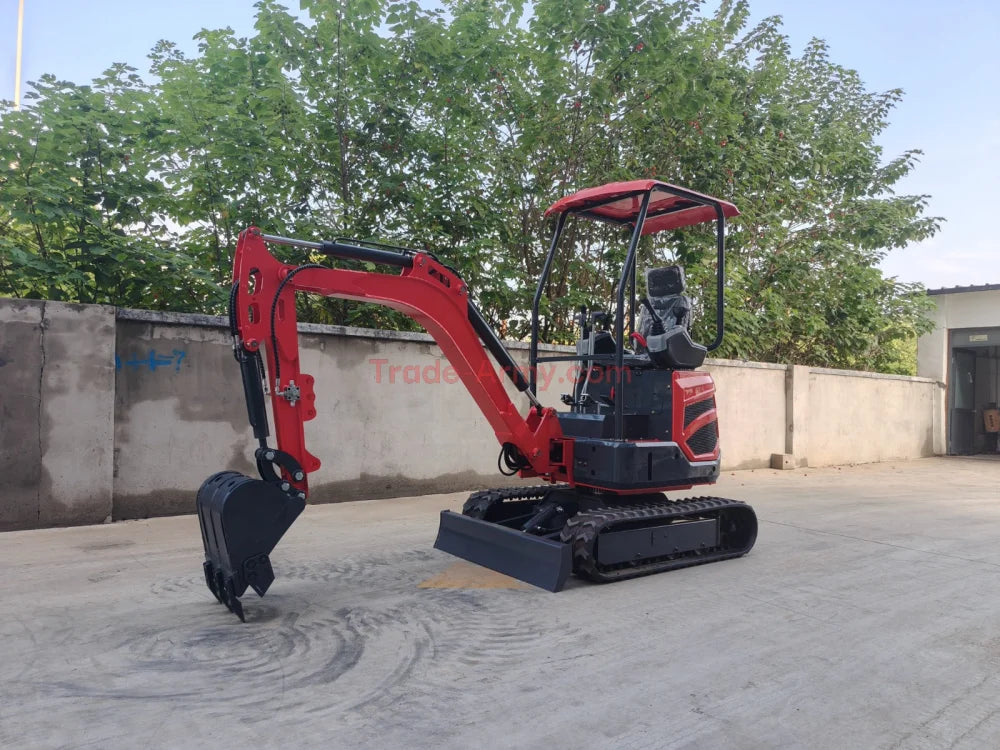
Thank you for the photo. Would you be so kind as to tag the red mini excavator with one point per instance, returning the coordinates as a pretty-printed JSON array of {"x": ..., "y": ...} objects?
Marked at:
[{"x": 641, "y": 418}]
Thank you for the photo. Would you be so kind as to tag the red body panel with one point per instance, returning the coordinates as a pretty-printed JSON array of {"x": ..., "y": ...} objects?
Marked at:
[{"x": 690, "y": 387}]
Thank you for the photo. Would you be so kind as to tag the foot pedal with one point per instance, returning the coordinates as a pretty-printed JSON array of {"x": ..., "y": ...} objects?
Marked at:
[{"x": 242, "y": 519}]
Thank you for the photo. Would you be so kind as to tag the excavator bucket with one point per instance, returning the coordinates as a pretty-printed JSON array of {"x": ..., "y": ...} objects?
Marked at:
[
  {"x": 241, "y": 521},
  {"x": 542, "y": 562}
]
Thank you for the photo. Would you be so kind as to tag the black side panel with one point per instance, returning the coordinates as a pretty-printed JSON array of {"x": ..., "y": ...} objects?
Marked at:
[
  {"x": 647, "y": 542},
  {"x": 647, "y": 407},
  {"x": 637, "y": 426},
  {"x": 621, "y": 465}
]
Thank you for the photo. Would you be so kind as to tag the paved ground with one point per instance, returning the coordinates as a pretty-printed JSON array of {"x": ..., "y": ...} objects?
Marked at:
[{"x": 867, "y": 616}]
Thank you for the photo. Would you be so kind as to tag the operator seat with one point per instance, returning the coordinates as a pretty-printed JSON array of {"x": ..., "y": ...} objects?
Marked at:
[
  {"x": 665, "y": 289},
  {"x": 664, "y": 321}
]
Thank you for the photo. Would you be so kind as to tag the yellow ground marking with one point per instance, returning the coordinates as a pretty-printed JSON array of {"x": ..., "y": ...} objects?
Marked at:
[{"x": 466, "y": 575}]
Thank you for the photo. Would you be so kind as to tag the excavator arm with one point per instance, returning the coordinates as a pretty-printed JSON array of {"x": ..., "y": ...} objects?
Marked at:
[
  {"x": 242, "y": 519},
  {"x": 427, "y": 291}
]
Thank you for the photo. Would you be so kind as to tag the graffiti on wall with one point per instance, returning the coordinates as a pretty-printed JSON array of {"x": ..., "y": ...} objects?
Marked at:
[{"x": 153, "y": 361}]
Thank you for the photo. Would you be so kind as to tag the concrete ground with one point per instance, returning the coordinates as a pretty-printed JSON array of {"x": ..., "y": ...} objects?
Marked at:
[{"x": 867, "y": 616}]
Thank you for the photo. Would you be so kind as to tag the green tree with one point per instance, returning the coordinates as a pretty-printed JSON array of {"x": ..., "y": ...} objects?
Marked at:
[
  {"x": 452, "y": 129},
  {"x": 79, "y": 216}
]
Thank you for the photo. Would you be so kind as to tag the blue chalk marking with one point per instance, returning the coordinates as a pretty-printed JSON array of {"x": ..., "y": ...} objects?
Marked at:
[{"x": 154, "y": 361}]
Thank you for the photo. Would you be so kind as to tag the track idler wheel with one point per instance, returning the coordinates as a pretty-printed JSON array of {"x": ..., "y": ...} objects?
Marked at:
[{"x": 241, "y": 521}]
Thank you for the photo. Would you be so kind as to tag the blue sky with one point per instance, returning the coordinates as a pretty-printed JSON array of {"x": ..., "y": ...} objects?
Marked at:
[{"x": 946, "y": 56}]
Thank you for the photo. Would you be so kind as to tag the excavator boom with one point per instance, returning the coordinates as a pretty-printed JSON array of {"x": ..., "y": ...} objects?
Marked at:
[{"x": 425, "y": 290}]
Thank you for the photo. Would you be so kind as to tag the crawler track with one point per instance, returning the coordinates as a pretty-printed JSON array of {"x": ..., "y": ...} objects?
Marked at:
[
  {"x": 737, "y": 534},
  {"x": 599, "y": 515}
]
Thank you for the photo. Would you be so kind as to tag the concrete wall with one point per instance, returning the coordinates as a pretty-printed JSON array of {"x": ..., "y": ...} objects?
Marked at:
[
  {"x": 751, "y": 400},
  {"x": 381, "y": 432},
  {"x": 851, "y": 418},
  {"x": 56, "y": 413},
  {"x": 124, "y": 415}
]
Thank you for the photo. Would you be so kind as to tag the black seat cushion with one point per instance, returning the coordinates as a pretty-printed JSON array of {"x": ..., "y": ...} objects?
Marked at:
[{"x": 676, "y": 350}]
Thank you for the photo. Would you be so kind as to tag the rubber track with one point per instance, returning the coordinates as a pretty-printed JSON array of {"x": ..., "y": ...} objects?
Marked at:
[{"x": 583, "y": 531}]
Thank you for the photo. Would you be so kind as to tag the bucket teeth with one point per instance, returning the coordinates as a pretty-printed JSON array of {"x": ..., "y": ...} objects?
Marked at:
[
  {"x": 241, "y": 521},
  {"x": 223, "y": 589},
  {"x": 259, "y": 573},
  {"x": 210, "y": 580}
]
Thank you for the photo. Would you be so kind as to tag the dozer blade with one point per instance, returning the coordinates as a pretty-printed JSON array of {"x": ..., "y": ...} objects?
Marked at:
[
  {"x": 533, "y": 559},
  {"x": 241, "y": 521}
]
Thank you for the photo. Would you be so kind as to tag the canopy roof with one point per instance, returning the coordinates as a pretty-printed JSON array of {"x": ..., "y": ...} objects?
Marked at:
[{"x": 670, "y": 207}]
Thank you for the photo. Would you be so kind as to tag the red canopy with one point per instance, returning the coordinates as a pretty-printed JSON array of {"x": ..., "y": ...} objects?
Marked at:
[{"x": 667, "y": 210}]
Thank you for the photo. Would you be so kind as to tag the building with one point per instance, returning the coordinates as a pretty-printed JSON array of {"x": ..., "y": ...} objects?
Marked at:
[{"x": 963, "y": 352}]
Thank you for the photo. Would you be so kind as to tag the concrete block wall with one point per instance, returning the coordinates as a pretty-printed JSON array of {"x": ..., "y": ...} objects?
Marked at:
[
  {"x": 57, "y": 386},
  {"x": 863, "y": 418},
  {"x": 390, "y": 423},
  {"x": 750, "y": 397},
  {"x": 122, "y": 414}
]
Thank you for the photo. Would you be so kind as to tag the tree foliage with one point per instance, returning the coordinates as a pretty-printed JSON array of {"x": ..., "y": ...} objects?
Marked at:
[{"x": 453, "y": 129}]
